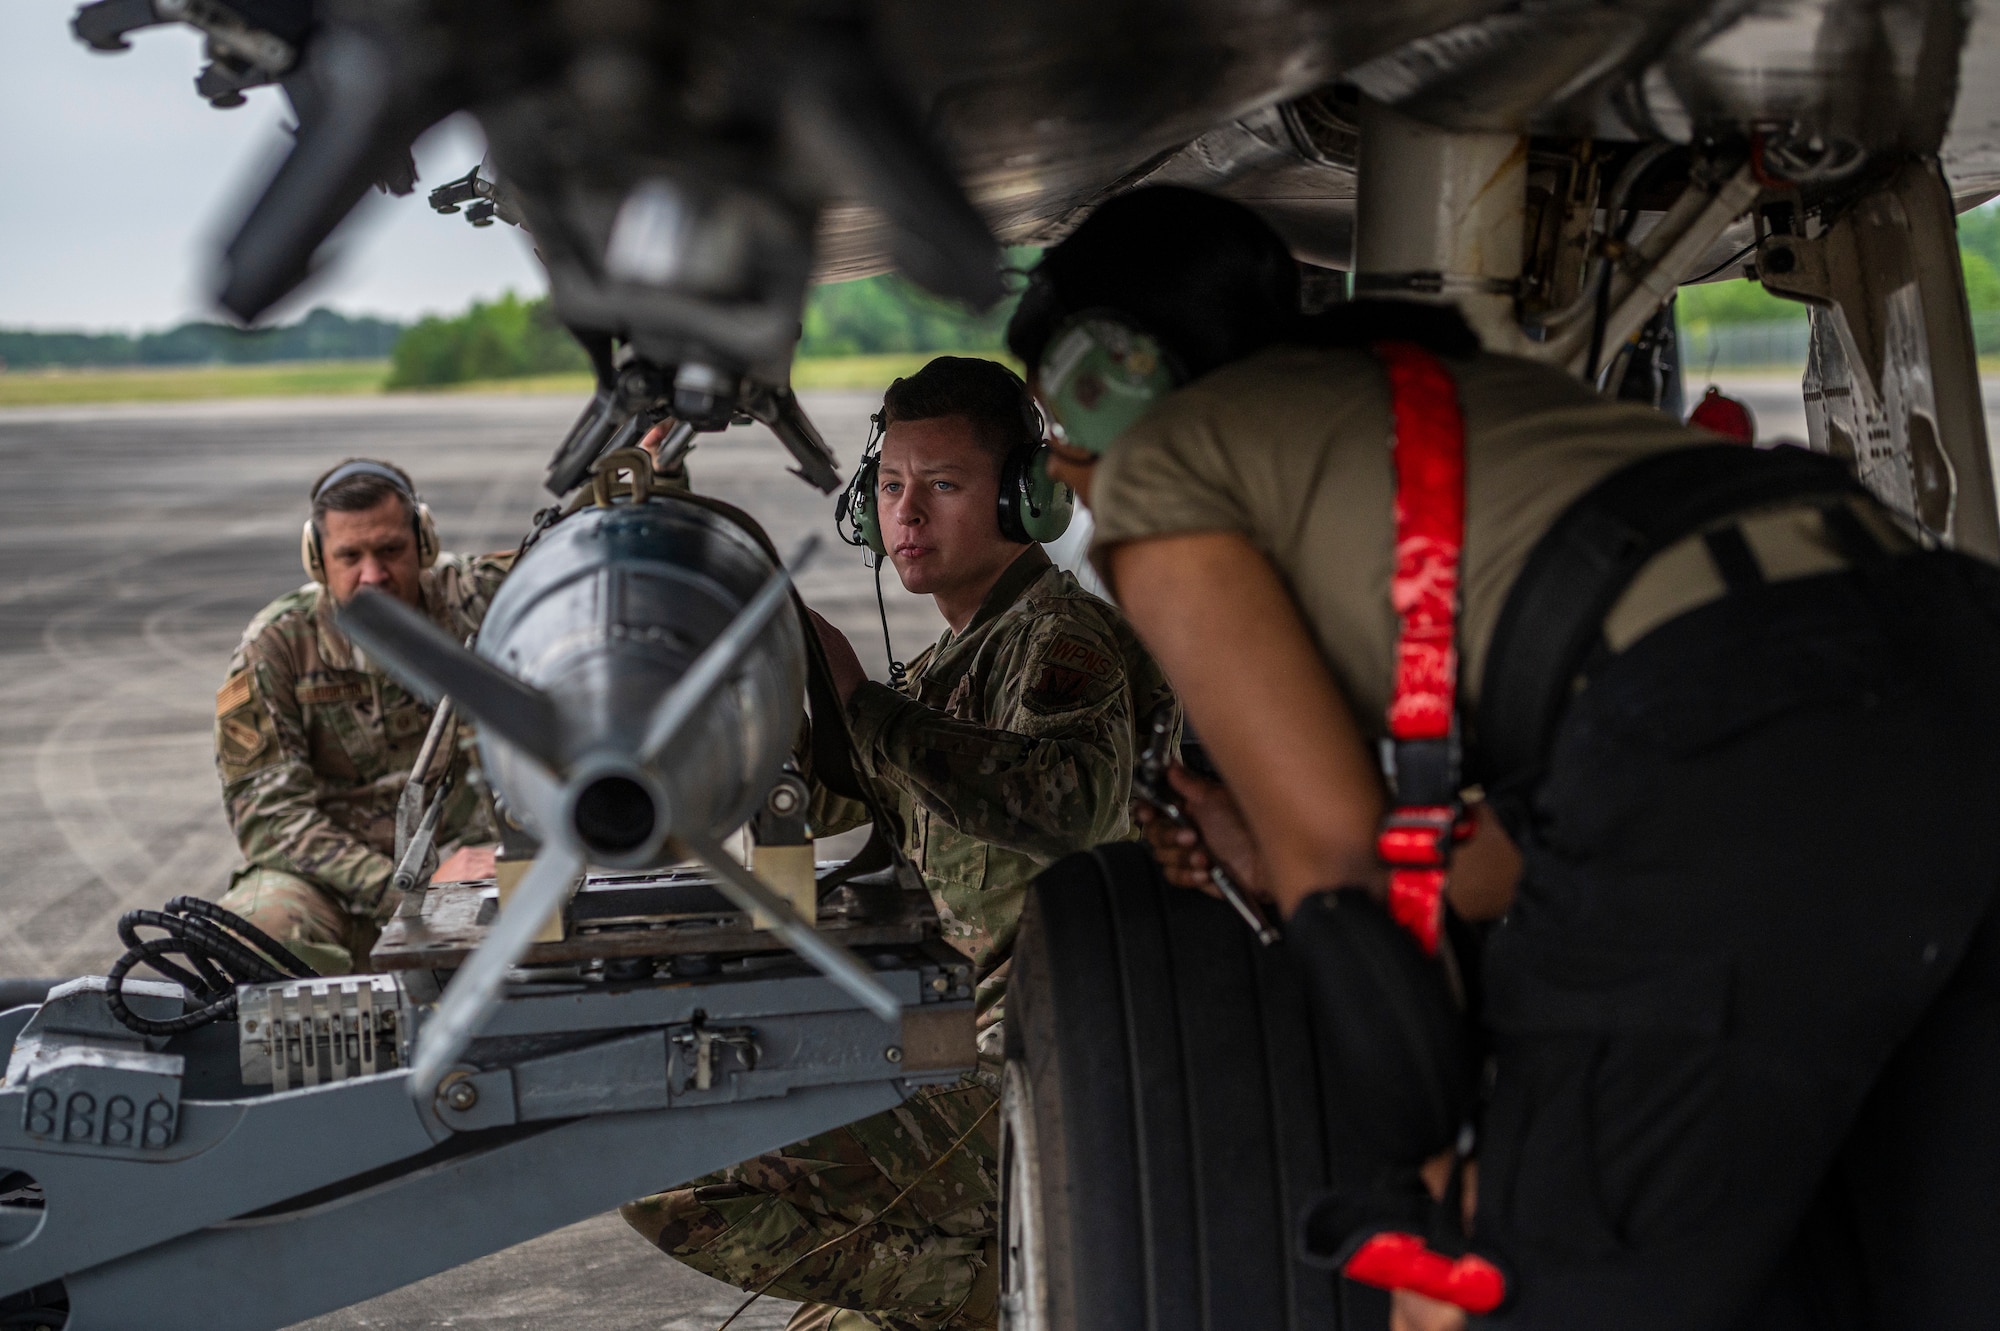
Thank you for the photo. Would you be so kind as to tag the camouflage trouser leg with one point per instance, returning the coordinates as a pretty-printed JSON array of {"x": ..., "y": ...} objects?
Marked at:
[
  {"x": 826, "y": 1317},
  {"x": 931, "y": 1262},
  {"x": 303, "y": 917}
]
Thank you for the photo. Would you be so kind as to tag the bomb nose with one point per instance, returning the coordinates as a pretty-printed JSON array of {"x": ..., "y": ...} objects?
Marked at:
[{"x": 614, "y": 816}]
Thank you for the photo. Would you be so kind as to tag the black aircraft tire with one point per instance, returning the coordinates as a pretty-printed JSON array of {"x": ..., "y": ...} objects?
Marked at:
[{"x": 1161, "y": 1125}]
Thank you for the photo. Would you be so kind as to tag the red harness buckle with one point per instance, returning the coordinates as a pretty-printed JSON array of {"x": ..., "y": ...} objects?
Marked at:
[
  {"x": 1420, "y": 836},
  {"x": 1415, "y": 842},
  {"x": 1392, "y": 1260},
  {"x": 1416, "y": 837}
]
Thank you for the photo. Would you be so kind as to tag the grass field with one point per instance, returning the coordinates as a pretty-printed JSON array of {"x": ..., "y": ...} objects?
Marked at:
[{"x": 187, "y": 383}]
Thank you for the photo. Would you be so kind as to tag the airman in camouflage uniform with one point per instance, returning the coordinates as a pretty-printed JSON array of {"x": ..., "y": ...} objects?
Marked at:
[
  {"x": 1011, "y": 744},
  {"x": 314, "y": 744}
]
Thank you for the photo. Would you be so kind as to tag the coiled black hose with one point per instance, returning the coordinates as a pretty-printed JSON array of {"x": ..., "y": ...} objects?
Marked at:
[{"x": 222, "y": 950}]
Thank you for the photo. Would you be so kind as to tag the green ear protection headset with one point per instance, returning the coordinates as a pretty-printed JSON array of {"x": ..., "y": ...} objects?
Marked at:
[
  {"x": 1099, "y": 374},
  {"x": 421, "y": 522},
  {"x": 1033, "y": 506}
]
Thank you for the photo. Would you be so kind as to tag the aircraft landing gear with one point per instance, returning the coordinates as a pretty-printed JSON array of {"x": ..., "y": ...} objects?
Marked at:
[
  {"x": 1163, "y": 1124},
  {"x": 1892, "y": 380}
]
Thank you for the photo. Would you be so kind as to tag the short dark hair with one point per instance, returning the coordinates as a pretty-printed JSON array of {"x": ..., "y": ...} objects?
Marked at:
[
  {"x": 360, "y": 492},
  {"x": 1205, "y": 275},
  {"x": 986, "y": 393}
]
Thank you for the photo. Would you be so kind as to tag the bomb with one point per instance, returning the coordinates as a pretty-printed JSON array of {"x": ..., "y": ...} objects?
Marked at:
[
  {"x": 595, "y": 727},
  {"x": 603, "y": 617},
  {"x": 638, "y": 683}
]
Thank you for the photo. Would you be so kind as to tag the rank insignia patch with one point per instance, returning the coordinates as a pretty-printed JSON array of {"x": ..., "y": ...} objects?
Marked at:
[{"x": 241, "y": 740}]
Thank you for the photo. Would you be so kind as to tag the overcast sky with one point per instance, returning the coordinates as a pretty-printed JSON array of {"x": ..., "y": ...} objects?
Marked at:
[{"x": 116, "y": 182}]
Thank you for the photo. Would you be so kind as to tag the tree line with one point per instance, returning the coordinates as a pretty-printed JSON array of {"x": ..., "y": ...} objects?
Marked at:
[
  {"x": 510, "y": 337},
  {"x": 322, "y": 335}
]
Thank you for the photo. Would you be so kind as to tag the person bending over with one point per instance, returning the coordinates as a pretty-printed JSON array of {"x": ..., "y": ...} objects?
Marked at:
[
  {"x": 1741, "y": 990},
  {"x": 1010, "y": 744}
]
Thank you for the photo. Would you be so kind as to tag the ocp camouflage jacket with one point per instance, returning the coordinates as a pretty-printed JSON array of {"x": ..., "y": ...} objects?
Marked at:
[
  {"x": 1013, "y": 746},
  {"x": 314, "y": 742}
]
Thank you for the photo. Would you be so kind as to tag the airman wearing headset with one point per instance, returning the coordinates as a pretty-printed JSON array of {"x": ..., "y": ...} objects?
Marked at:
[
  {"x": 313, "y": 741},
  {"x": 1008, "y": 744}
]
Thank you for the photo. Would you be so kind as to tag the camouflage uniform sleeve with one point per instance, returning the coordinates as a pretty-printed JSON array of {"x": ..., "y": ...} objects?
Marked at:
[
  {"x": 1053, "y": 775},
  {"x": 487, "y": 572},
  {"x": 467, "y": 817},
  {"x": 462, "y": 588},
  {"x": 473, "y": 582},
  {"x": 268, "y": 789},
  {"x": 828, "y": 814}
]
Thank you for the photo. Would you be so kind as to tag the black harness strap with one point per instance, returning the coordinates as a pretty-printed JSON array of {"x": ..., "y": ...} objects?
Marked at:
[
  {"x": 1729, "y": 550},
  {"x": 1554, "y": 615}
]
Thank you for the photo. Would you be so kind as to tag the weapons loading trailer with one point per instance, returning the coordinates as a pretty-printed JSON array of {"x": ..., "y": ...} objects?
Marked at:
[{"x": 661, "y": 1038}]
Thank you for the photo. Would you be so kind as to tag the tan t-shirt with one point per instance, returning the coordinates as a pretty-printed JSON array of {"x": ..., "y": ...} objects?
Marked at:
[{"x": 1290, "y": 447}]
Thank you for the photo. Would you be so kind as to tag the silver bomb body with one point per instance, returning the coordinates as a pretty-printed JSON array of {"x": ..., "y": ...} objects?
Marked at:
[{"x": 604, "y": 616}]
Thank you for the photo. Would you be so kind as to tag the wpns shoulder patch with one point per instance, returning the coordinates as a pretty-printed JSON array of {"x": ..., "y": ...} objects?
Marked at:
[
  {"x": 1085, "y": 658},
  {"x": 1068, "y": 673}
]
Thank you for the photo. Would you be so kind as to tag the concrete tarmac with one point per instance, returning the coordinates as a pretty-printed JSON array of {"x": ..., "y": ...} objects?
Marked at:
[{"x": 135, "y": 544}]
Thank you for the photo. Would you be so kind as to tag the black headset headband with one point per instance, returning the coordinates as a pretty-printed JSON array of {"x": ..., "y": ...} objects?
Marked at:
[
  {"x": 363, "y": 467},
  {"x": 1044, "y": 305}
]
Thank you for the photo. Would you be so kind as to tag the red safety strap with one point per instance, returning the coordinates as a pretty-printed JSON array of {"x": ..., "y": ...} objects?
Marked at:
[
  {"x": 1429, "y": 456},
  {"x": 1392, "y": 1260},
  {"x": 1428, "y": 819},
  {"x": 1421, "y": 755}
]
